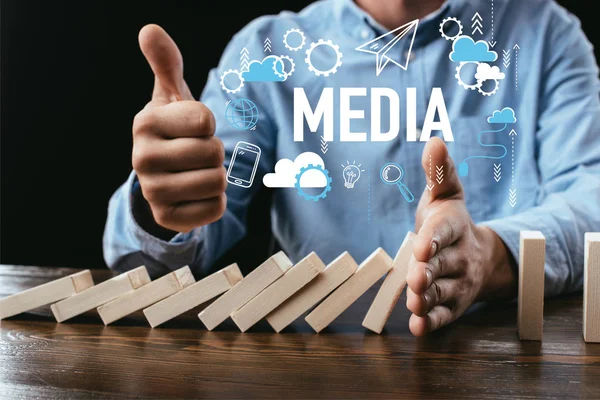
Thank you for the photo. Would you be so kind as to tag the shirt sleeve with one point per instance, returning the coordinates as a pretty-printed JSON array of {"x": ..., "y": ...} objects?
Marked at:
[
  {"x": 568, "y": 158},
  {"x": 126, "y": 244}
]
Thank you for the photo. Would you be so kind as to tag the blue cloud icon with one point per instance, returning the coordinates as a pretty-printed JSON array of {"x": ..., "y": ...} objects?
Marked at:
[
  {"x": 504, "y": 116},
  {"x": 270, "y": 69},
  {"x": 466, "y": 49}
]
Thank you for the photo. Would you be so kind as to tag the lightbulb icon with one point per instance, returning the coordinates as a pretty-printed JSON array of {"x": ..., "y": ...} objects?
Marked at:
[{"x": 351, "y": 174}]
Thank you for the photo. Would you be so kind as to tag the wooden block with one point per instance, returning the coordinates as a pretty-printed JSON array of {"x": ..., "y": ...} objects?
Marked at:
[
  {"x": 146, "y": 295},
  {"x": 369, "y": 272},
  {"x": 391, "y": 288},
  {"x": 193, "y": 295},
  {"x": 591, "y": 288},
  {"x": 100, "y": 294},
  {"x": 532, "y": 257},
  {"x": 330, "y": 278},
  {"x": 47, "y": 293},
  {"x": 254, "y": 283},
  {"x": 275, "y": 294}
]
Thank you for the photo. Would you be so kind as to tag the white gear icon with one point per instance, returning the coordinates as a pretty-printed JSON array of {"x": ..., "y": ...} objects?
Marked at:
[
  {"x": 280, "y": 73},
  {"x": 462, "y": 83},
  {"x": 455, "y": 20},
  {"x": 286, "y": 74},
  {"x": 294, "y": 48},
  {"x": 327, "y": 43},
  {"x": 232, "y": 72},
  {"x": 496, "y": 87}
]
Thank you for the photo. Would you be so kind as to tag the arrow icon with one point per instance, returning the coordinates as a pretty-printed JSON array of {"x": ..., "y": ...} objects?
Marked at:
[
  {"x": 439, "y": 174},
  {"x": 477, "y": 25},
  {"x": 516, "y": 49},
  {"x": 244, "y": 58},
  {"x": 512, "y": 197},
  {"x": 324, "y": 145},
  {"x": 267, "y": 45},
  {"x": 492, "y": 17},
  {"x": 512, "y": 133},
  {"x": 492, "y": 43},
  {"x": 506, "y": 58},
  {"x": 497, "y": 172}
]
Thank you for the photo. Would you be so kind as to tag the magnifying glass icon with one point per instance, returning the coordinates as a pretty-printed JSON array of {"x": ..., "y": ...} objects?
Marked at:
[{"x": 391, "y": 174}]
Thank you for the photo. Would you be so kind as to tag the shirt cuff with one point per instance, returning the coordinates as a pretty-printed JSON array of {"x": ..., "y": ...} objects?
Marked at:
[
  {"x": 182, "y": 249},
  {"x": 509, "y": 230}
]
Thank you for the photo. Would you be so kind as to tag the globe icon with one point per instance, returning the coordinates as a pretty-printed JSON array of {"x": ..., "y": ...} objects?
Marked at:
[{"x": 241, "y": 114}]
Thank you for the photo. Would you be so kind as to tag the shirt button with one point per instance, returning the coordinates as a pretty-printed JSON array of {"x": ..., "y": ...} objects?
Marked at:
[{"x": 364, "y": 34}]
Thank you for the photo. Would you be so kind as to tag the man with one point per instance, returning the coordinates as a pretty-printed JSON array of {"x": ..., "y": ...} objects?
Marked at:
[{"x": 175, "y": 209}]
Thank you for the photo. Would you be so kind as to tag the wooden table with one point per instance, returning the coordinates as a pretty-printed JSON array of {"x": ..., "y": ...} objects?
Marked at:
[{"x": 477, "y": 357}]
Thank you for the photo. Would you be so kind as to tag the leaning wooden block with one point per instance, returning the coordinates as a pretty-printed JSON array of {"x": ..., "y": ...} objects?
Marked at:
[
  {"x": 532, "y": 257},
  {"x": 330, "y": 278},
  {"x": 100, "y": 294},
  {"x": 147, "y": 295},
  {"x": 267, "y": 300},
  {"x": 591, "y": 288},
  {"x": 391, "y": 288},
  {"x": 47, "y": 293},
  {"x": 254, "y": 283},
  {"x": 193, "y": 295},
  {"x": 367, "y": 274}
]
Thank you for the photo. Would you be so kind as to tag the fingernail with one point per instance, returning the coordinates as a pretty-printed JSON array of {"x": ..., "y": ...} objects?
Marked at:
[
  {"x": 433, "y": 249},
  {"x": 426, "y": 299},
  {"x": 429, "y": 277}
]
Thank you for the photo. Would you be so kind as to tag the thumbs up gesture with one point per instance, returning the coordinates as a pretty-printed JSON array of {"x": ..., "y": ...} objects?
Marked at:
[{"x": 178, "y": 161}]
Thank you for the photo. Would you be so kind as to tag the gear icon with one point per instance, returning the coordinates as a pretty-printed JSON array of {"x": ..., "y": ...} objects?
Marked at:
[
  {"x": 457, "y": 22},
  {"x": 327, "y": 43},
  {"x": 496, "y": 87},
  {"x": 284, "y": 74},
  {"x": 239, "y": 76},
  {"x": 326, "y": 189},
  {"x": 462, "y": 83},
  {"x": 294, "y": 31}
]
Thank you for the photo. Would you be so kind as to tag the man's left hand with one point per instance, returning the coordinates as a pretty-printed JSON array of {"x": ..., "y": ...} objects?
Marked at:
[{"x": 455, "y": 262}]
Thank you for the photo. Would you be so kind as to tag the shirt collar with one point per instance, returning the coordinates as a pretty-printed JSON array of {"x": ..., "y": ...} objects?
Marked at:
[{"x": 362, "y": 26}]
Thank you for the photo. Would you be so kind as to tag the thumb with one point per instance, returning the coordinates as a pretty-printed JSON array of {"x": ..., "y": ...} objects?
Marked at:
[
  {"x": 440, "y": 173},
  {"x": 166, "y": 62}
]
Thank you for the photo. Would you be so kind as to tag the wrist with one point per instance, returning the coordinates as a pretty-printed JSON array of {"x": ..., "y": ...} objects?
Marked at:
[{"x": 501, "y": 280}]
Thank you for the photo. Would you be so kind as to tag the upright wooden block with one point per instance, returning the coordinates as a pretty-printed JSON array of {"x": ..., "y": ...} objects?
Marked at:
[
  {"x": 193, "y": 295},
  {"x": 330, "y": 278},
  {"x": 254, "y": 283},
  {"x": 532, "y": 257},
  {"x": 100, "y": 294},
  {"x": 146, "y": 295},
  {"x": 391, "y": 288},
  {"x": 591, "y": 288},
  {"x": 47, "y": 293},
  {"x": 275, "y": 294},
  {"x": 369, "y": 272}
]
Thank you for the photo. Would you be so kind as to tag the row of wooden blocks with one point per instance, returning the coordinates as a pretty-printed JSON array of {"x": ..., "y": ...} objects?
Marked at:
[{"x": 281, "y": 292}]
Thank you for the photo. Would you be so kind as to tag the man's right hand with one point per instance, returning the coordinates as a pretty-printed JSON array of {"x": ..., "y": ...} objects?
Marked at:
[{"x": 178, "y": 161}]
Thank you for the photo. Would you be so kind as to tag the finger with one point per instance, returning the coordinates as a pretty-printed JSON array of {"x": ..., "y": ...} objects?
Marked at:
[
  {"x": 441, "y": 291},
  {"x": 436, "y": 157},
  {"x": 437, "y": 232},
  {"x": 447, "y": 262},
  {"x": 166, "y": 62},
  {"x": 187, "y": 216},
  {"x": 175, "y": 120},
  {"x": 177, "y": 155},
  {"x": 185, "y": 186},
  {"x": 438, "y": 317}
]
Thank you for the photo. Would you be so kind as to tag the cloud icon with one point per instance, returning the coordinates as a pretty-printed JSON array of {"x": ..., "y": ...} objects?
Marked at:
[
  {"x": 486, "y": 71},
  {"x": 504, "y": 116},
  {"x": 466, "y": 49},
  {"x": 286, "y": 171},
  {"x": 270, "y": 69}
]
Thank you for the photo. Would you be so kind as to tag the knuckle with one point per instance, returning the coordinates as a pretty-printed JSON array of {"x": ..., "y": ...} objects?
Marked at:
[
  {"x": 144, "y": 158},
  {"x": 152, "y": 190},
  {"x": 201, "y": 120},
  {"x": 144, "y": 122},
  {"x": 164, "y": 216},
  {"x": 215, "y": 152},
  {"x": 221, "y": 205}
]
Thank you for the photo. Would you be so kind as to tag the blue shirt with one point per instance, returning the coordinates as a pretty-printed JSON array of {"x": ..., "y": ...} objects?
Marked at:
[{"x": 550, "y": 81}]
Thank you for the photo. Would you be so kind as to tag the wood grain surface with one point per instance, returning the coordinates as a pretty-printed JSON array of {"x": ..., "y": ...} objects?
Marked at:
[{"x": 477, "y": 357}]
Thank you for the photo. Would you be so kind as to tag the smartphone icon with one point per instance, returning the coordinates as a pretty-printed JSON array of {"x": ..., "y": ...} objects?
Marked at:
[{"x": 243, "y": 165}]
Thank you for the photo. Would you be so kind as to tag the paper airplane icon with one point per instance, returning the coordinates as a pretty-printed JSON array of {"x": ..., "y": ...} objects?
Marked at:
[{"x": 382, "y": 50}]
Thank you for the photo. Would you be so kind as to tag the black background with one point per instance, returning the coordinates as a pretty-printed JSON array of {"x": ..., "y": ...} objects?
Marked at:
[{"x": 72, "y": 78}]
